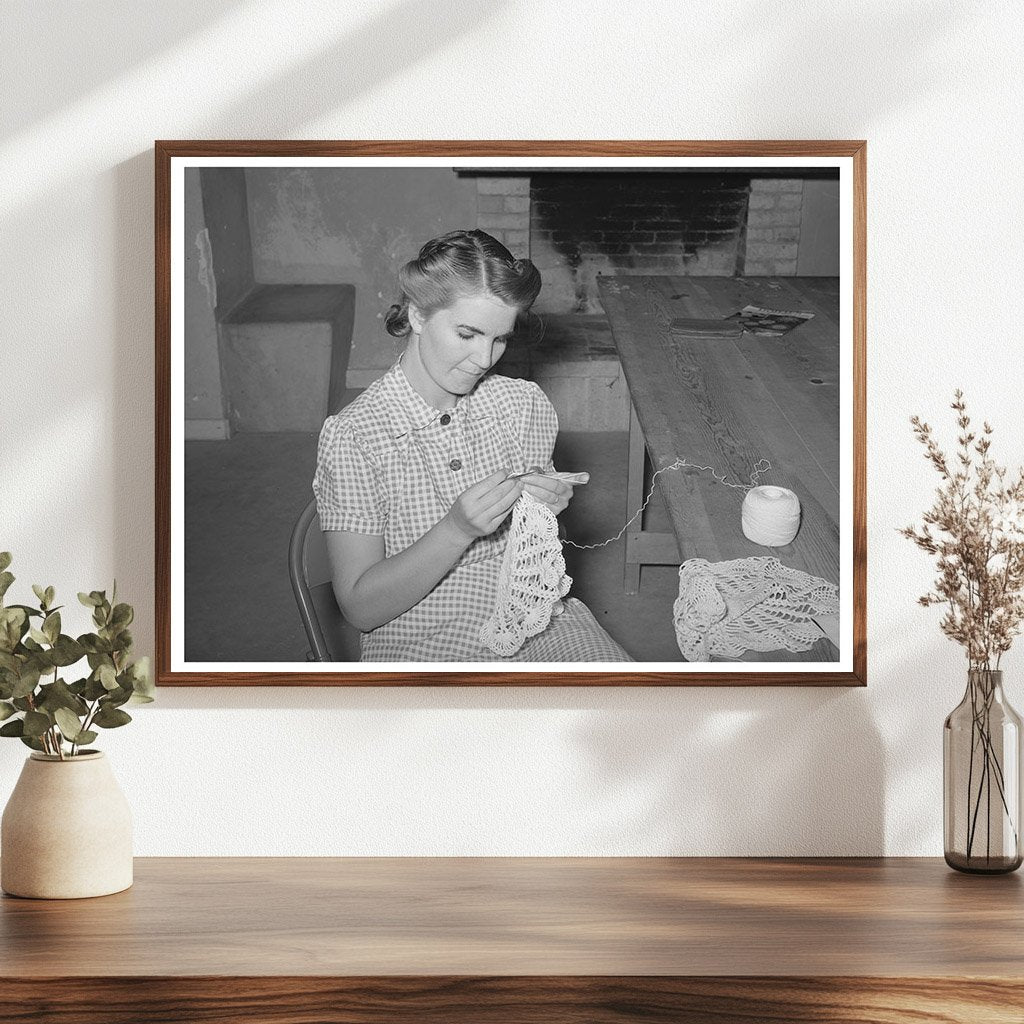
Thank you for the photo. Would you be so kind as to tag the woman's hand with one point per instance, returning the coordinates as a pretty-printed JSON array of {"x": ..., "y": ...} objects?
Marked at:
[
  {"x": 554, "y": 493},
  {"x": 480, "y": 510}
]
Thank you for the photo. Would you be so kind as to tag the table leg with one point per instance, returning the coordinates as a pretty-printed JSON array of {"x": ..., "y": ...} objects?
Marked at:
[
  {"x": 643, "y": 547},
  {"x": 634, "y": 499}
]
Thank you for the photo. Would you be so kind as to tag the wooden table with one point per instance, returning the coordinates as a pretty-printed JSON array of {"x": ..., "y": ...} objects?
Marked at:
[
  {"x": 727, "y": 404},
  {"x": 504, "y": 940}
]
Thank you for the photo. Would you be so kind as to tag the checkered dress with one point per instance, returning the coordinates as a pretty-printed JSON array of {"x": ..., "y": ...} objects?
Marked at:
[{"x": 391, "y": 465}]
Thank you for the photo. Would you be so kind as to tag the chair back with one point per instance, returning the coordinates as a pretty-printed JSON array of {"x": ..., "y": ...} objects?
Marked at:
[{"x": 331, "y": 636}]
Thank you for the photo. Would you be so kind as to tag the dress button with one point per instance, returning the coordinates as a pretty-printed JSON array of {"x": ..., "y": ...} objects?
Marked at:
[
  {"x": 455, "y": 464},
  {"x": 445, "y": 420}
]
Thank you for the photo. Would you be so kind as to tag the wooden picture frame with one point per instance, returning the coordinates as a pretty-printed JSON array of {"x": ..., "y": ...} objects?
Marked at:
[{"x": 194, "y": 253}]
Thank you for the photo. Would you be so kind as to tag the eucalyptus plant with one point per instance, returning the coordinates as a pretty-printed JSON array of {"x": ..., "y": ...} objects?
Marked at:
[{"x": 54, "y": 716}]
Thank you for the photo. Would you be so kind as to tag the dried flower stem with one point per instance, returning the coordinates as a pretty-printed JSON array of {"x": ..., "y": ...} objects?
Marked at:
[{"x": 975, "y": 528}]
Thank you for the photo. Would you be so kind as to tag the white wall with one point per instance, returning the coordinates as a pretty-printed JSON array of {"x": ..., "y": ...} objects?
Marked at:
[{"x": 935, "y": 88}]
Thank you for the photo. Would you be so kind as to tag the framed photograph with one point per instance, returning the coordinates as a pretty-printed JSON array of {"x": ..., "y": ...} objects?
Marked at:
[{"x": 510, "y": 413}]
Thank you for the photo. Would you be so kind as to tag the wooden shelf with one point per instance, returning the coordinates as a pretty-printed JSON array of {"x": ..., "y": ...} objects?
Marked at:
[{"x": 523, "y": 939}]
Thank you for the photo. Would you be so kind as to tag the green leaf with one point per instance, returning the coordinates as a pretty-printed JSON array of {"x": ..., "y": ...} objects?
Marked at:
[
  {"x": 14, "y": 728},
  {"x": 86, "y": 736},
  {"x": 9, "y": 662},
  {"x": 142, "y": 681},
  {"x": 31, "y": 741},
  {"x": 36, "y": 723},
  {"x": 115, "y": 698},
  {"x": 51, "y": 626},
  {"x": 5, "y": 560},
  {"x": 107, "y": 676},
  {"x": 122, "y": 616},
  {"x": 109, "y": 718},
  {"x": 28, "y": 610},
  {"x": 69, "y": 724},
  {"x": 67, "y": 651},
  {"x": 6, "y": 710},
  {"x": 13, "y": 625},
  {"x": 94, "y": 689},
  {"x": 89, "y": 642},
  {"x": 89, "y": 600},
  {"x": 58, "y": 695},
  {"x": 28, "y": 680},
  {"x": 6, "y": 579},
  {"x": 50, "y": 595},
  {"x": 40, "y": 592},
  {"x": 38, "y": 635}
]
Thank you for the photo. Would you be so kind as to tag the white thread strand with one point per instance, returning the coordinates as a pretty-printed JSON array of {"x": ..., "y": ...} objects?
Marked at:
[{"x": 678, "y": 464}]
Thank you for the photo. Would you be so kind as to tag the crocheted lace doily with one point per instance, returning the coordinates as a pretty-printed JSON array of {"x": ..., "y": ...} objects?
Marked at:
[
  {"x": 532, "y": 578},
  {"x": 748, "y": 604}
]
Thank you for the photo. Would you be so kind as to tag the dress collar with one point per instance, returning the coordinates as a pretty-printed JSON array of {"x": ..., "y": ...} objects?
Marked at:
[{"x": 410, "y": 410}]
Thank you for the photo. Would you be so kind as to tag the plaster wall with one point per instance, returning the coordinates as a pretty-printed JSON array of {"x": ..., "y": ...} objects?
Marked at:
[
  {"x": 204, "y": 402},
  {"x": 358, "y": 227},
  {"x": 934, "y": 87}
]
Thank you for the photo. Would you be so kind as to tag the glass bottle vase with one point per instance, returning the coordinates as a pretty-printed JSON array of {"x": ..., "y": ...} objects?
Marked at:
[{"x": 981, "y": 747}]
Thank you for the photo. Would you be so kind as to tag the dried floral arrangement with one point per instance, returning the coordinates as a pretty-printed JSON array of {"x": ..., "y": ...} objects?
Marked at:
[{"x": 976, "y": 530}]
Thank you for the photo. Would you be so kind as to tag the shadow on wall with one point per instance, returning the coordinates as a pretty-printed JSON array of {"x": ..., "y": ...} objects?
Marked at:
[
  {"x": 341, "y": 71},
  {"x": 912, "y": 31},
  {"x": 737, "y": 771},
  {"x": 85, "y": 29}
]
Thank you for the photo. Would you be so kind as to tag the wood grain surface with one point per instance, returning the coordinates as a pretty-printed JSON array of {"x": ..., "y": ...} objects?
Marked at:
[
  {"x": 531, "y": 939},
  {"x": 730, "y": 403}
]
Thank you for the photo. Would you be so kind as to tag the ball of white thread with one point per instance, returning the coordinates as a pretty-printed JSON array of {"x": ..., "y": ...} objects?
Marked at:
[{"x": 771, "y": 516}]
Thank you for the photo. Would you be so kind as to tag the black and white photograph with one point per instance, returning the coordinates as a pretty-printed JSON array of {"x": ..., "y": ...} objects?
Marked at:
[{"x": 574, "y": 417}]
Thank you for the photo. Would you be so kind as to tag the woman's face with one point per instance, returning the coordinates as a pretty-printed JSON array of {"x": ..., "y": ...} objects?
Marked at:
[{"x": 456, "y": 346}]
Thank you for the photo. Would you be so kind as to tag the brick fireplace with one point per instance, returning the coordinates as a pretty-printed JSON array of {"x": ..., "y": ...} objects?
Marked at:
[{"x": 578, "y": 224}]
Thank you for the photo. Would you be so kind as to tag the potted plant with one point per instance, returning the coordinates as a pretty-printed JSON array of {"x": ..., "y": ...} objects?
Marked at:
[
  {"x": 66, "y": 830},
  {"x": 975, "y": 528}
]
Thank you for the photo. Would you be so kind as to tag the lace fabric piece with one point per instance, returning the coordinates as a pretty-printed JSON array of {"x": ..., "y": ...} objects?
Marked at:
[
  {"x": 748, "y": 604},
  {"x": 531, "y": 581}
]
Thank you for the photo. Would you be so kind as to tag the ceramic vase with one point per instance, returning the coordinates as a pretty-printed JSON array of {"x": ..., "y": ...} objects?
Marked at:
[
  {"x": 981, "y": 777},
  {"x": 67, "y": 830}
]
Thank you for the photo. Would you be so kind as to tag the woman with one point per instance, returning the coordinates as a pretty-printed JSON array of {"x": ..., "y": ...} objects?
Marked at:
[{"x": 416, "y": 478}]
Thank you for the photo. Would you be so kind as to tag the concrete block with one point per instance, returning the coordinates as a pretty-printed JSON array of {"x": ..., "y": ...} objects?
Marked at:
[
  {"x": 776, "y": 185},
  {"x": 276, "y": 375},
  {"x": 761, "y": 201},
  {"x": 510, "y": 221},
  {"x": 518, "y": 186},
  {"x": 771, "y": 251},
  {"x": 516, "y": 204},
  {"x": 207, "y": 430},
  {"x": 518, "y": 242},
  {"x": 773, "y": 218},
  {"x": 490, "y": 204}
]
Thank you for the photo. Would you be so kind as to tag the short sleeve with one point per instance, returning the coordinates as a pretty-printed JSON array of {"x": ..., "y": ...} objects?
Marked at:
[
  {"x": 348, "y": 485},
  {"x": 538, "y": 426}
]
